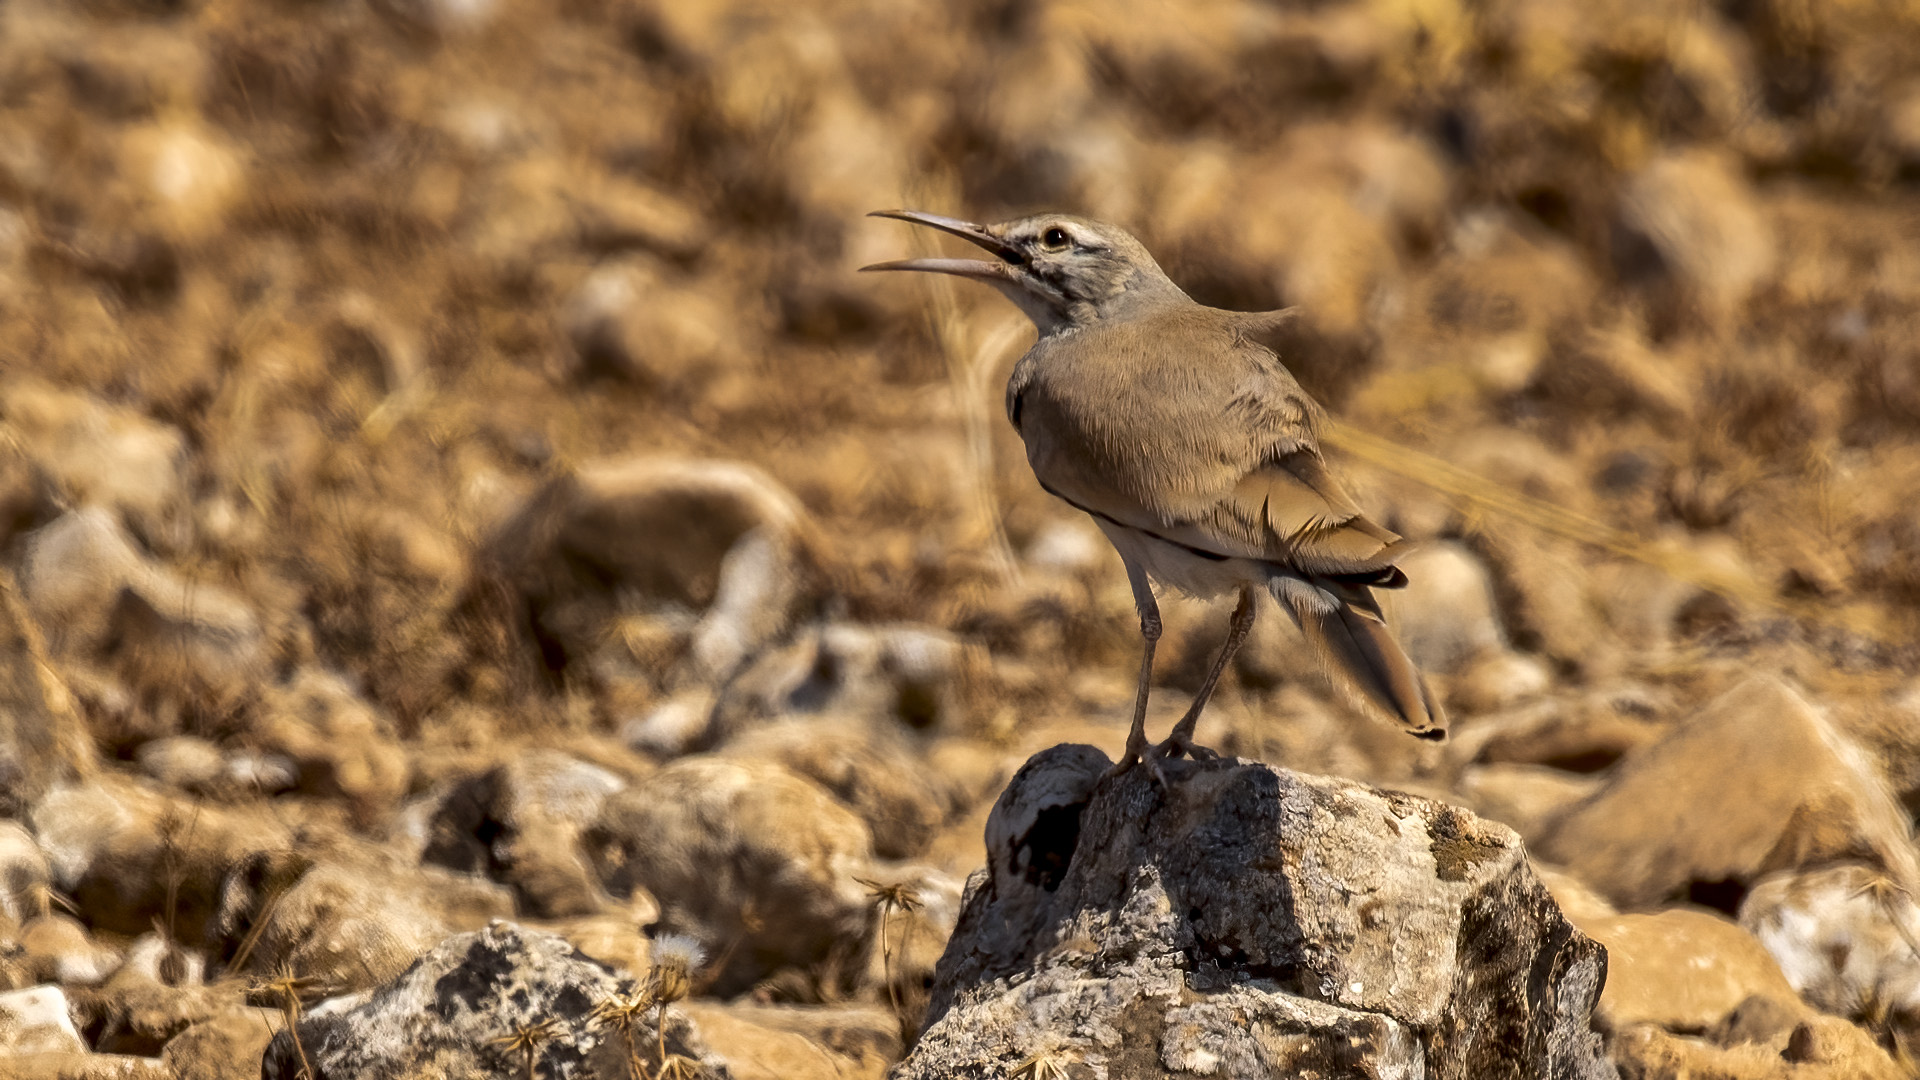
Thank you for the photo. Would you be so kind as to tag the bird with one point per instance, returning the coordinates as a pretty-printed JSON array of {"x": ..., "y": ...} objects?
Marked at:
[{"x": 1195, "y": 451}]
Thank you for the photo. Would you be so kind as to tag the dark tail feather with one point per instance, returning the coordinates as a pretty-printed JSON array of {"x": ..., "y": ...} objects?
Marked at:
[{"x": 1344, "y": 625}]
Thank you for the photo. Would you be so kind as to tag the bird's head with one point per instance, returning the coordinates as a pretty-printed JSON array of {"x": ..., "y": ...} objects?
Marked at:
[{"x": 1063, "y": 271}]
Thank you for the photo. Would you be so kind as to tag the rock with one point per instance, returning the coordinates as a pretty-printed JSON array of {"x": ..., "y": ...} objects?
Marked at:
[
  {"x": 1785, "y": 790},
  {"x": 1848, "y": 939},
  {"x": 453, "y": 1013},
  {"x": 1526, "y": 798},
  {"x": 115, "y": 845},
  {"x": 187, "y": 176},
  {"x": 45, "y": 741},
  {"x": 627, "y": 321},
  {"x": 137, "y": 1013},
  {"x": 1445, "y": 616},
  {"x": 225, "y": 1047},
  {"x": 723, "y": 566},
  {"x": 181, "y": 761},
  {"x": 755, "y": 862},
  {"x": 873, "y": 769},
  {"x": 1696, "y": 212},
  {"x": 72, "y": 1066},
  {"x": 1498, "y": 680},
  {"x": 359, "y": 916},
  {"x": 1253, "y": 921},
  {"x": 1583, "y": 734},
  {"x": 58, "y": 948},
  {"x": 172, "y": 638},
  {"x": 155, "y": 959},
  {"x": 25, "y": 875},
  {"x": 98, "y": 455},
  {"x": 1577, "y": 902},
  {"x": 339, "y": 744},
  {"x": 520, "y": 823},
  {"x": 36, "y": 1021},
  {"x": 1683, "y": 970},
  {"x": 1829, "y": 1049},
  {"x": 906, "y": 675},
  {"x": 784, "y": 1042}
]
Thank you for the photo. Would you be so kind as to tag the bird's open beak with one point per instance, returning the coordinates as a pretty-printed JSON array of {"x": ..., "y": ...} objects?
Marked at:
[{"x": 966, "y": 230}]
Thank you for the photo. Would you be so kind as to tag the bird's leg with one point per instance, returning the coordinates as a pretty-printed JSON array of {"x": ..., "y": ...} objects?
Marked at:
[
  {"x": 1181, "y": 740},
  {"x": 1150, "y": 634}
]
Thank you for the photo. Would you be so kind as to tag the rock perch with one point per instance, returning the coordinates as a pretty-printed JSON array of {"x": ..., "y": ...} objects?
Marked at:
[{"x": 1251, "y": 921}]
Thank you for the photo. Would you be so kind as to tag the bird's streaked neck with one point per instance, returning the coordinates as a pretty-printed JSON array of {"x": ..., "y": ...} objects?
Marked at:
[{"x": 1141, "y": 292}]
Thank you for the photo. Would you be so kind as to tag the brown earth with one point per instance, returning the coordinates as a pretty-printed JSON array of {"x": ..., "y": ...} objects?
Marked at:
[{"x": 430, "y": 427}]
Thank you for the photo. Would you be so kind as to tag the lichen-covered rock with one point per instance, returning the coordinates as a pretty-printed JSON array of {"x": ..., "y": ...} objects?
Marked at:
[
  {"x": 454, "y": 1014},
  {"x": 1249, "y": 920}
]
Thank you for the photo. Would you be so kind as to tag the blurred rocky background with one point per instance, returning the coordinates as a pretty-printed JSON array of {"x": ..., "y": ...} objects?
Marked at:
[{"x": 457, "y": 502}]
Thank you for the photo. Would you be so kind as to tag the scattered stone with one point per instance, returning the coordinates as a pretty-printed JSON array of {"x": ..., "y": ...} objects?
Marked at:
[
  {"x": 73, "y": 1066},
  {"x": 784, "y": 1042},
  {"x": 724, "y": 547},
  {"x": 1498, "y": 680},
  {"x": 339, "y": 744},
  {"x": 755, "y": 862},
  {"x": 456, "y": 1012},
  {"x": 183, "y": 761},
  {"x": 1786, "y": 790},
  {"x": 1848, "y": 939},
  {"x": 1583, "y": 735},
  {"x": 1682, "y": 969},
  {"x": 58, "y": 948},
  {"x": 45, "y": 740},
  {"x": 872, "y": 768},
  {"x": 228, "y": 1046},
  {"x": 520, "y": 823},
  {"x": 97, "y": 455},
  {"x": 359, "y": 916},
  {"x": 36, "y": 1021},
  {"x": 1445, "y": 617},
  {"x": 171, "y": 638},
  {"x": 1250, "y": 920},
  {"x": 25, "y": 876},
  {"x": 627, "y": 321},
  {"x": 904, "y": 675},
  {"x": 1820, "y": 1048},
  {"x": 1529, "y": 799},
  {"x": 116, "y": 846}
]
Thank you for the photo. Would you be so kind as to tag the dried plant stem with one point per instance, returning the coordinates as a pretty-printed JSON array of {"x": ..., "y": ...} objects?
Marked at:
[
  {"x": 1484, "y": 494},
  {"x": 969, "y": 365}
]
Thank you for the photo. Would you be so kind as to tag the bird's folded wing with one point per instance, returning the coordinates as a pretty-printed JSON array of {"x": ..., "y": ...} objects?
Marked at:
[{"x": 1290, "y": 510}]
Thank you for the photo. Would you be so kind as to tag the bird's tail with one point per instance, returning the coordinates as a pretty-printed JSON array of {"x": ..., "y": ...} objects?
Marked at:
[{"x": 1344, "y": 624}]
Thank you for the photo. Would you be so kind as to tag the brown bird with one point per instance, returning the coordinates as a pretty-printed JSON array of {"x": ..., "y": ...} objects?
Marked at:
[{"x": 1194, "y": 450}]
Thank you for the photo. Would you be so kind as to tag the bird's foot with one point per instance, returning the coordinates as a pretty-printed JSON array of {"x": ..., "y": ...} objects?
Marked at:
[
  {"x": 1136, "y": 750},
  {"x": 1178, "y": 745}
]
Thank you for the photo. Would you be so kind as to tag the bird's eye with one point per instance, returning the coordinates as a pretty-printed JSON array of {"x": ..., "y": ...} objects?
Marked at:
[{"x": 1054, "y": 239}]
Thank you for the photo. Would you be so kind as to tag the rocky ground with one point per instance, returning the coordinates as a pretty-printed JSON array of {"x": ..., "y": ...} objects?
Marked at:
[{"x": 474, "y": 555}]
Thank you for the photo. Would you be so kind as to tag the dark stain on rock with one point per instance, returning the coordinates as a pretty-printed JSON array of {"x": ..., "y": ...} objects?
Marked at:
[{"x": 474, "y": 980}]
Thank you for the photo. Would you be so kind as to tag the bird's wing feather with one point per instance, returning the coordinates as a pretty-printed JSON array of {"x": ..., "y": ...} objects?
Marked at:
[{"x": 1184, "y": 429}]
